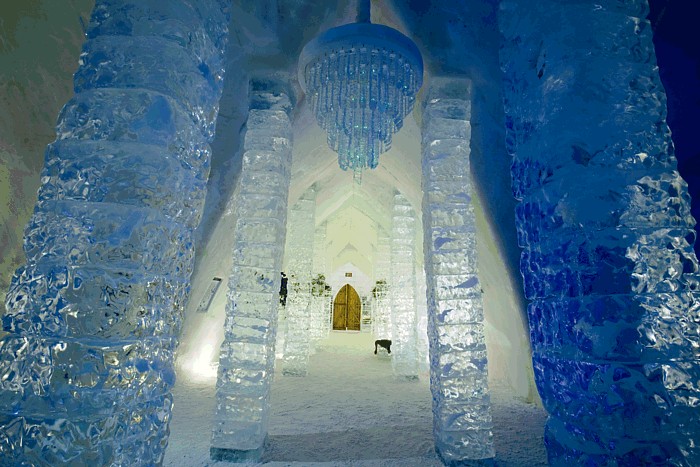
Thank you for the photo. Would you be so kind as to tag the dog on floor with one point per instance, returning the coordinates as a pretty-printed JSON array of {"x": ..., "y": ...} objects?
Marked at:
[{"x": 384, "y": 343}]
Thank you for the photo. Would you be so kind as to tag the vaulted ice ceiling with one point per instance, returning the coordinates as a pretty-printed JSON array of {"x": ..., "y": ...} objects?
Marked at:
[{"x": 354, "y": 214}]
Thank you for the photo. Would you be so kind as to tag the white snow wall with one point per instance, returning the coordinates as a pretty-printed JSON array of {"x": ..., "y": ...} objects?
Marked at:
[
  {"x": 459, "y": 367},
  {"x": 92, "y": 320}
]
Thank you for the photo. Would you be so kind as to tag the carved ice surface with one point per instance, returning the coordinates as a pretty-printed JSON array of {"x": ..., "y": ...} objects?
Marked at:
[
  {"x": 403, "y": 289},
  {"x": 299, "y": 259},
  {"x": 458, "y": 368},
  {"x": 381, "y": 298},
  {"x": 604, "y": 222},
  {"x": 319, "y": 309},
  {"x": 86, "y": 356},
  {"x": 247, "y": 357}
]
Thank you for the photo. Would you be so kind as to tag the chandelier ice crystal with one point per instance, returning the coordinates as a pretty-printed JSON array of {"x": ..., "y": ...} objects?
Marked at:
[{"x": 361, "y": 79}]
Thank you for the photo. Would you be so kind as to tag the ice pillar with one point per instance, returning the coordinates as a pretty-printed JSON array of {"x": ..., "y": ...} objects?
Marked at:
[
  {"x": 422, "y": 343},
  {"x": 299, "y": 252},
  {"x": 403, "y": 289},
  {"x": 607, "y": 236},
  {"x": 247, "y": 355},
  {"x": 318, "y": 312},
  {"x": 381, "y": 299},
  {"x": 458, "y": 364},
  {"x": 86, "y": 353}
]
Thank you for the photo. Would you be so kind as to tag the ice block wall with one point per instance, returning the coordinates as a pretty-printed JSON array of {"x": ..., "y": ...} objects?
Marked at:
[
  {"x": 247, "y": 357},
  {"x": 86, "y": 352},
  {"x": 299, "y": 258},
  {"x": 402, "y": 289},
  {"x": 607, "y": 236},
  {"x": 319, "y": 324},
  {"x": 381, "y": 300},
  {"x": 458, "y": 363}
]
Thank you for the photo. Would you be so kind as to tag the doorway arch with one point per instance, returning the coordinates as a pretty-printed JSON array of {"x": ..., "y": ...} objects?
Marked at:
[{"x": 347, "y": 309}]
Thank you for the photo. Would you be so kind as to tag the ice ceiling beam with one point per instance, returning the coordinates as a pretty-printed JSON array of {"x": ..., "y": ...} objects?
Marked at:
[{"x": 604, "y": 222}]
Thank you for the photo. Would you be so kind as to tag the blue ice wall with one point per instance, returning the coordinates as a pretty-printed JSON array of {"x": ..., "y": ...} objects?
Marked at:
[
  {"x": 606, "y": 231},
  {"x": 86, "y": 352}
]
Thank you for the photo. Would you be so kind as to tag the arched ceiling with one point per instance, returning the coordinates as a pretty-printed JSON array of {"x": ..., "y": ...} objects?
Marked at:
[{"x": 353, "y": 214}]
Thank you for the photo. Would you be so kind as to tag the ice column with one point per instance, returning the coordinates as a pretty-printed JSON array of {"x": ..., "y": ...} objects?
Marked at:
[
  {"x": 247, "y": 356},
  {"x": 299, "y": 253},
  {"x": 422, "y": 343},
  {"x": 458, "y": 364},
  {"x": 381, "y": 300},
  {"x": 402, "y": 289},
  {"x": 86, "y": 352},
  {"x": 604, "y": 222},
  {"x": 318, "y": 312}
]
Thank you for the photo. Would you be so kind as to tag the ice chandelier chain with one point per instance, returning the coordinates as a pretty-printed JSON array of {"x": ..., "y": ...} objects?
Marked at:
[{"x": 361, "y": 79}]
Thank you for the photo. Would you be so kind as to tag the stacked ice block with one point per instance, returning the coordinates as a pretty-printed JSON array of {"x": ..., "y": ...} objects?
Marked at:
[
  {"x": 458, "y": 366},
  {"x": 607, "y": 236},
  {"x": 402, "y": 289},
  {"x": 299, "y": 255},
  {"x": 246, "y": 363},
  {"x": 86, "y": 357}
]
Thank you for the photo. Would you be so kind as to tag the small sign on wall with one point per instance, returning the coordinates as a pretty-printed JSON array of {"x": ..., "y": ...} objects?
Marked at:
[
  {"x": 209, "y": 295},
  {"x": 348, "y": 274}
]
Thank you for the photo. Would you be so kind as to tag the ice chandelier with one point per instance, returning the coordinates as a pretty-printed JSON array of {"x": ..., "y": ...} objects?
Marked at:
[{"x": 362, "y": 79}]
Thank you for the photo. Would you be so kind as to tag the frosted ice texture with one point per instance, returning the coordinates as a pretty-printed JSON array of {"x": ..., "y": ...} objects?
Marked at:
[
  {"x": 403, "y": 289},
  {"x": 604, "y": 222},
  {"x": 247, "y": 357},
  {"x": 458, "y": 363},
  {"x": 381, "y": 299},
  {"x": 86, "y": 356},
  {"x": 299, "y": 259},
  {"x": 319, "y": 316},
  {"x": 422, "y": 343}
]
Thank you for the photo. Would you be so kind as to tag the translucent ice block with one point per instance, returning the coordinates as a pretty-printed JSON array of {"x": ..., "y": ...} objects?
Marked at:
[
  {"x": 299, "y": 260},
  {"x": 93, "y": 317},
  {"x": 607, "y": 235},
  {"x": 402, "y": 289},
  {"x": 458, "y": 364},
  {"x": 247, "y": 354}
]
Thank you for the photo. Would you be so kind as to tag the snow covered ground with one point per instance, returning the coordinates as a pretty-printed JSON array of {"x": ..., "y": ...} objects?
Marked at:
[{"x": 350, "y": 411}]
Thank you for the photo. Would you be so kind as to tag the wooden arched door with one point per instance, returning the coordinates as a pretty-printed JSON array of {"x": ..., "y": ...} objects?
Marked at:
[{"x": 347, "y": 309}]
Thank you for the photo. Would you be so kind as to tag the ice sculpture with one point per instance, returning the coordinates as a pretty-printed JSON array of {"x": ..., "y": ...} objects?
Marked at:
[
  {"x": 403, "y": 289},
  {"x": 458, "y": 364},
  {"x": 299, "y": 259},
  {"x": 607, "y": 236},
  {"x": 86, "y": 356},
  {"x": 381, "y": 300},
  {"x": 247, "y": 357}
]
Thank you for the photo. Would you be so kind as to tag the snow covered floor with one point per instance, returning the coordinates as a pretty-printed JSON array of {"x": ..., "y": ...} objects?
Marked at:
[{"x": 350, "y": 411}]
